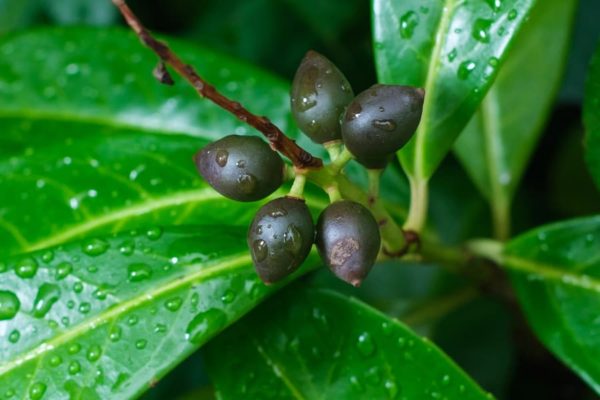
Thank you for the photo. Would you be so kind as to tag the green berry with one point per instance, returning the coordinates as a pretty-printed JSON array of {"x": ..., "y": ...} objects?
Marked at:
[
  {"x": 348, "y": 240},
  {"x": 242, "y": 168},
  {"x": 320, "y": 92},
  {"x": 280, "y": 238},
  {"x": 381, "y": 120}
]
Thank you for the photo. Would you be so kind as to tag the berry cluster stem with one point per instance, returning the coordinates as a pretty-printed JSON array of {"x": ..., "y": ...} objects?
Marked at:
[{"x": 278, "y": 140}]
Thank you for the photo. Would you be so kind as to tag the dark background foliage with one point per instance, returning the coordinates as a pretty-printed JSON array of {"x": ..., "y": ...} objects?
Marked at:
[{"x": 275, "y": 35}]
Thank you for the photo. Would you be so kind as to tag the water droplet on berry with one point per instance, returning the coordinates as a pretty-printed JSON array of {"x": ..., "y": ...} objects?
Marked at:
[
  {"x": 247, "y": 183},
  {"x": 384, "y": 124},
  {"x": 261, "y": 250},
  {"x": 221, "y": 157}
]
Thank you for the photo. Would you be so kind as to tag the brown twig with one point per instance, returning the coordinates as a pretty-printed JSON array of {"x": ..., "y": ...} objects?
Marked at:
[{"x": 278, "y": 140}]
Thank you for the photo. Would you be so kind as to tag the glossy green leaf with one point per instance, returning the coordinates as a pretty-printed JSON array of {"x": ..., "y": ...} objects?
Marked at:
[
  {"x": 451, "y": 48},
  {"x": 591, "y": 118},
  {"x": 106, "y": 317},
  {"x": 91, "y": 143},
  {"x": 499, "y": 140},
  {"x": 314, "y": 344},
  {"x": 556, "y": 273}
]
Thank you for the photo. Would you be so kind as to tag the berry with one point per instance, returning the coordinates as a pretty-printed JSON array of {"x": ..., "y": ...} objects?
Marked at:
[
  {"x": 242, "y": 168},
  {"x": 320, "y": 92},
  {"x": 381, "y": 120},
  {"x": 348, "y": 240},
  {"x": 280, "y": 238}
]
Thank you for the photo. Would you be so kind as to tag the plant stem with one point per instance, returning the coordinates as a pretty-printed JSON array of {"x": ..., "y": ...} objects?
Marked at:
[
  {"x": 297, "y": 188},
  {"x": 341, "y": 160},
  {"x": 333, "y": 148},
  {"x": 374, "y": 176},
  {"x": 500, "y": 206},
  {"x": 417, "y": 213},
  {"x": 278, "y": 140},
  {"x": 486, "y": 248}
]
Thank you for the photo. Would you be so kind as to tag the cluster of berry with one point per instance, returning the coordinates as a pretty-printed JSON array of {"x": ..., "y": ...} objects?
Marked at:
[{"x": 372, "y": 126}]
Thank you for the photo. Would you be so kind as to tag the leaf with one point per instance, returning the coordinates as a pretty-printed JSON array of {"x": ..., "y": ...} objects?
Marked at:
[
  {"x": 15, "y": 14},
  {"x": 70, "y": 12},
  {"x": 498, "y": 141},
  {"x": 556, "y": 273},
  {"x": 313, "y": 344},
  {"x": 591, "y": 117},
  {"x": 107, "y": 317},
  {"x": 451, "y": 48},
  {"x": 90, "y": 143}
]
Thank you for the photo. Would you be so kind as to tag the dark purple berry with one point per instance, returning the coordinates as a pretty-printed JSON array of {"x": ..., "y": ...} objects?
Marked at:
[
  {"x": 243, "y": 168},
  {"x": 381, "y": 120},
  {"x": 348, "y": 240},
  {"x": 320, "y": 92},
  {"x": 280, "y": 238}
]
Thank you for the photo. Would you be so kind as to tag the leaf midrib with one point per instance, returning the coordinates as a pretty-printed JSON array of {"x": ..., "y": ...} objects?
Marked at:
[{"x": 229, "y": 264}]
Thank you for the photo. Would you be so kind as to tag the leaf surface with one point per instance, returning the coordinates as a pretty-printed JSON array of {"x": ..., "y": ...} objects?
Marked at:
[
  {"x": 107, "y": 317},
  {"x": 591, "y": 118},
  {"x": 453, "y": 49},
  {"x": 556, "y": 272},
  {"x": 319, "y": 344}
]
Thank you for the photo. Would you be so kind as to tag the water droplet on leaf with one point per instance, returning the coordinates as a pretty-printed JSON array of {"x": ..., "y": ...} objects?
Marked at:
[{"x": 47, "y": 295}]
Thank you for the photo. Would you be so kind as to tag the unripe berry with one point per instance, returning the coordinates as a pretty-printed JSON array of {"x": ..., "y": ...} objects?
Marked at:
[
  {"x": 381, "y": 120},
  {"x": 242, "y": 168},
  {"x": 320, "y": 92},
  {"x": 348, "y": 240},
  {"x": 280, "y": 238}
]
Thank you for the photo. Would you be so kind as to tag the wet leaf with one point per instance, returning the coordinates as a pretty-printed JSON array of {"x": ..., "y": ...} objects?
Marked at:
[
  {"x": 555, "y": 270},
  {"x": 317, "y": 343}
]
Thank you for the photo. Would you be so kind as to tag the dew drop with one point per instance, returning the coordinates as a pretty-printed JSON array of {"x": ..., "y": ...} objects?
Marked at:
[
  {"x": 278, "y": 213},
  {"x": 9, "y": 305},
  {"x": 221, "y": 157},
  {"x": 132, "y": 320},
  {"x": 356, "y": 384},
  {"x": 481, "y": 30},
  {"x": 74, "y": 348},
  {"x": 365, "y": 344},
  {"x": 228, "y": 296},
  {"x": 261, "y": 250},
  {"x": 85, "y": 307},
  {"x": 241, "y": 164},
  {"x": 160, "y": 328},
  {"x": 127, "y": 247},
  {"x": 94, "y": 353},
  {"x": 292, "y": 239},
  {"x": 494, "y": 4},
  {"x": 78, "y": 287},
  {"x": 408, "y": 23},
  {"x": 48, "y": 256},
  {"x": 95, "y": 247},
  {"x": 392, "y": 388},
  {"x": 452, "y": 55},
  {"x": 138, "y": 272},
  {"x": 372, "y": 376},
  {"x": 14, "y": 336},
  {"x": 47, "y": 295},
  {"x": 37, "y": 390},
  {"x": 115, "y": 334},
  {"x": 307, "y": 102},
  {"x": 198, "y": 326},
  {"x": 173, "y": 304},
  {"x": 154, "y": 233},
  {"x": 246, "y": 183},
  {"x": 465, "y": 69},
  {"x": 63, "y": 270},
  {"x": 74, "y": 367},
  {"x": 512, "y": 14},
  {"x": 55, "y": 361},
  {"x": 141, "y": 344},
  {"x": 26, "y": 268},
  {"x": 384, "y": 124},
  {"x": 446, "y": 380}
]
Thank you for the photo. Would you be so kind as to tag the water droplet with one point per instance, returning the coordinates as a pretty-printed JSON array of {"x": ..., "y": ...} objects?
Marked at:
[
  {"x": 138, "y": 272},
  {"x": 78, "y": 287},
  {"x": 141, "y": 344},
  {"x": 198, "y": 326},
  {"x": 221, "y": 157},
  {"x": 387, "y": 328},
  {"x": 74, "y": 348},
  {"x": 307, "y": 102},
  {"x": 115, "y": 334},
  {"x": 246, "y": 183},
  {"x": 132, "y": 320},
  {"x": 127, "y": 247},
  {"x": 292, "y": 239},
  {"x": 465, "y": 69},
  {"x": 160, "y": 328},
  {"x": 47, "y": 295},
  {"x": 48, "y": 256},
  {"x": 9, "y": 393},
  {"x": 392, "y": 388},
  {"x": 384, "y": 124},
  {"x": 85, "y": 307},
  {"x": 452, "y": 55},
  {"x": 14, "y": 336},
  {"x": 95, "y": 247},
  {"x": 240, "y": 164},
  {"x": 278, "y": 213},
  {"x": 26, "y": 268},
  {"x": 356, "y": 384},
  {"x": 94, "y": 353},
  {"x": 9, "y": 305},
  {"x": 494, "y": 4},
  {"x": 37, "y": 390},
  {"x": 261, "y": 250},
  {"x": 512, "y": 14},
  {"x": 55, "y": 361},
  {"x": 446, "y": 380},
  {"x": 481, "y": 30},
  {"x": 173, "y": 304},
  {"x": 63, "y": 270},
  {"x": 100, "y": 293},
  {"x": 74, "y": 367},
  {"x": 408, "y": 23},
  {"x": 154, "y": 233},
  {"x": 365, "y": 344},
  {"x": 228, "y": 296},
  {"x": 70, "y": 304},
  {"x": 372, "y": 376}
]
